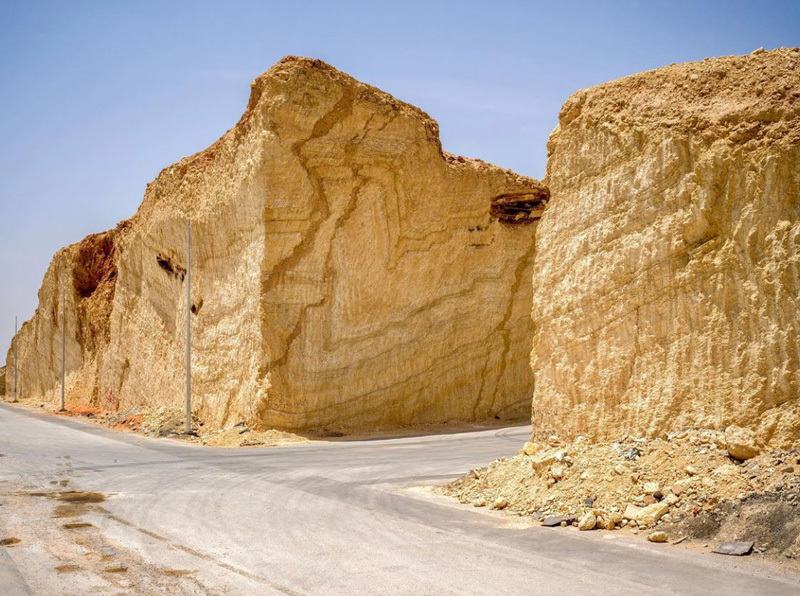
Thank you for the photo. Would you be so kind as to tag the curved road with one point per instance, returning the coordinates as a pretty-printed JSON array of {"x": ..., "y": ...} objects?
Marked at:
[{"x": 325, "y": 518}]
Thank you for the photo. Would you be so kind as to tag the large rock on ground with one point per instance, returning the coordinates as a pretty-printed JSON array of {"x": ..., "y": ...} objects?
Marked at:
[
  {"x": 741, "y": 443},
  {"x": 667, "y": 280},
  {"x": 347, "y": 274}
]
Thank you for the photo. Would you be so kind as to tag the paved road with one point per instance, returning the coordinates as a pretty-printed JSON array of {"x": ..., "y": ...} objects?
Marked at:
[{"x": 324, "y": 518}]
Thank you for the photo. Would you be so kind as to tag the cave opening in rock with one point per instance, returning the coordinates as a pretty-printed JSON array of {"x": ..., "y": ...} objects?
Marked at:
[{"x": 519, "y": 208}]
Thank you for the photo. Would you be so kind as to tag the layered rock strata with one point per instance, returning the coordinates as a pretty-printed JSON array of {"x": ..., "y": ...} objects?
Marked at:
[
  {"x": 347, "y": 274},
  {"x": 667, "y": 280}
]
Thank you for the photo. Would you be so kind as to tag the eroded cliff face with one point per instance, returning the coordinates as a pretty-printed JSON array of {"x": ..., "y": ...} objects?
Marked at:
[
  {"x": 667, "y": 280},
  {"x": 346, "y": 274},
  {"x": 80, "y": 284}
]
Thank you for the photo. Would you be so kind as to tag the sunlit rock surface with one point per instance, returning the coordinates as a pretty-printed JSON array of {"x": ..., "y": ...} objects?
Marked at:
[
  {"x": 667, "y": 279},
  {"x": 346, "y": 274}
]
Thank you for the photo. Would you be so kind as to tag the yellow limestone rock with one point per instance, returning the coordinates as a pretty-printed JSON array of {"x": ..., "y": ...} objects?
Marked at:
[
  {"x": 741, "y": 443},
  {"x": 657, "y": 536},
  {"x": 649, "y": 515},
  {"x": 667, "y": 276},
  {"x": 347, "y": 274},
  {"x": 530, "y": 448},
  {"x": 588, "y": 521}
]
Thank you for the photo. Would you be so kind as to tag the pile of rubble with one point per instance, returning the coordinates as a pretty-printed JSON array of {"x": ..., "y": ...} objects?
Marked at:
[
  {"x": 658, "y": 486},
  {"x": 171, "y": 423}
]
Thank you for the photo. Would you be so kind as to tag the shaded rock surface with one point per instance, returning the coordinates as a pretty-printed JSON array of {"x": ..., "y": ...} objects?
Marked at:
[{"x": 346, "y": 274}]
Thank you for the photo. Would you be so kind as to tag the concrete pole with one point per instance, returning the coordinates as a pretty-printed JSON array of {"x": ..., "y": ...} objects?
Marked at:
[
  {"x": 15, "y": 360},
  {"x": 188, "y": 328},
  {"x": 63, "y": 347}
]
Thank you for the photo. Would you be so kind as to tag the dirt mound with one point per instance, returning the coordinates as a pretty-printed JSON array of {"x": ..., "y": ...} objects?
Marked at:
[{"x": 686, "y": 484}]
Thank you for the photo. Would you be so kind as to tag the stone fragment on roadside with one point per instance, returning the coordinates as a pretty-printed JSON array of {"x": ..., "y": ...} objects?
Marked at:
[
  {"x": 741, "y": 443},
  {"x": 587, "y": 522},
  {"x": 737, "y": 549},
  {"x": 499, "y": 503},
  {"x": 556, "y": 520},
  {"x": 631, "y": 511},
  {"x": 651, "y": 514},
  {"x": 657, "y": 537},
  {"x": 691, "y": 470}
]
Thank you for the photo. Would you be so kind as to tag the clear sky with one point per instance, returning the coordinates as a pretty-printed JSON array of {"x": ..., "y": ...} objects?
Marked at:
[{"x": 97, "y": 97}]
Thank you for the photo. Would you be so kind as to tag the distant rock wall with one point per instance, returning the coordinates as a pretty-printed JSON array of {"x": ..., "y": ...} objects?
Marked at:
[
  {"x": 667, "y": 279},
  {"x": 84, "y": 276},
  {"x": 346, "y": 274}
]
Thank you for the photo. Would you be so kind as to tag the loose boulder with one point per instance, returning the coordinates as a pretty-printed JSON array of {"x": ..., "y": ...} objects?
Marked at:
[{"x": 741, "y": 443}]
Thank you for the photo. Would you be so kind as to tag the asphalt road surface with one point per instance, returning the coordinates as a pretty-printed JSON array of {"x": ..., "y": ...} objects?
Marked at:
[{"x": 342, "y": 517}]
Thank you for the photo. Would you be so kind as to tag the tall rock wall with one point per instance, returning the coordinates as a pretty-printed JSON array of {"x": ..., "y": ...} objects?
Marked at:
[
  {"x": 667, "y": 280},
  {"x": 346, "y": 274},
  {"x": 75, "y": 303}
]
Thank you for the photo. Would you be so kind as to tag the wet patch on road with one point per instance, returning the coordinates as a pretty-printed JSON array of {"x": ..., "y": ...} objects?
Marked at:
[
  {"x": 75, "y": 503},
  {"x": 177, "y": 572},
  {"x": 74, "y": 496},
  {"x": 77, "y": 525},
  {"x": 116, "y": 570}
]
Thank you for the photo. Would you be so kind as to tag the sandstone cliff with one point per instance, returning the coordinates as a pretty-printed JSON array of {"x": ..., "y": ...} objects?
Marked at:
[
  {"x": 667, "y": 280},
  {"x": 346, "y": 274}
]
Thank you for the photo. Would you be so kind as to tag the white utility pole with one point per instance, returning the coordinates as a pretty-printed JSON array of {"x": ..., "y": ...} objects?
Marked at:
[
  {"x": 63, "y": 347},
  {"x": 15, "y": 360},
  {"x": 188, "y": 429}
]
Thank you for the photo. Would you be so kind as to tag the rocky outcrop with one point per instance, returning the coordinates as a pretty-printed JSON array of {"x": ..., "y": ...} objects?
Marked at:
[
  {"x": 80, "y": 284},
  {"x": 346, "y": 274},
  {"x": 667, "y": 280}
]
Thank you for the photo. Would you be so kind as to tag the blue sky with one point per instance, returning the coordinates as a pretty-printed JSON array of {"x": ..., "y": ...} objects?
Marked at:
[{"x": 97, "y": 97}]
